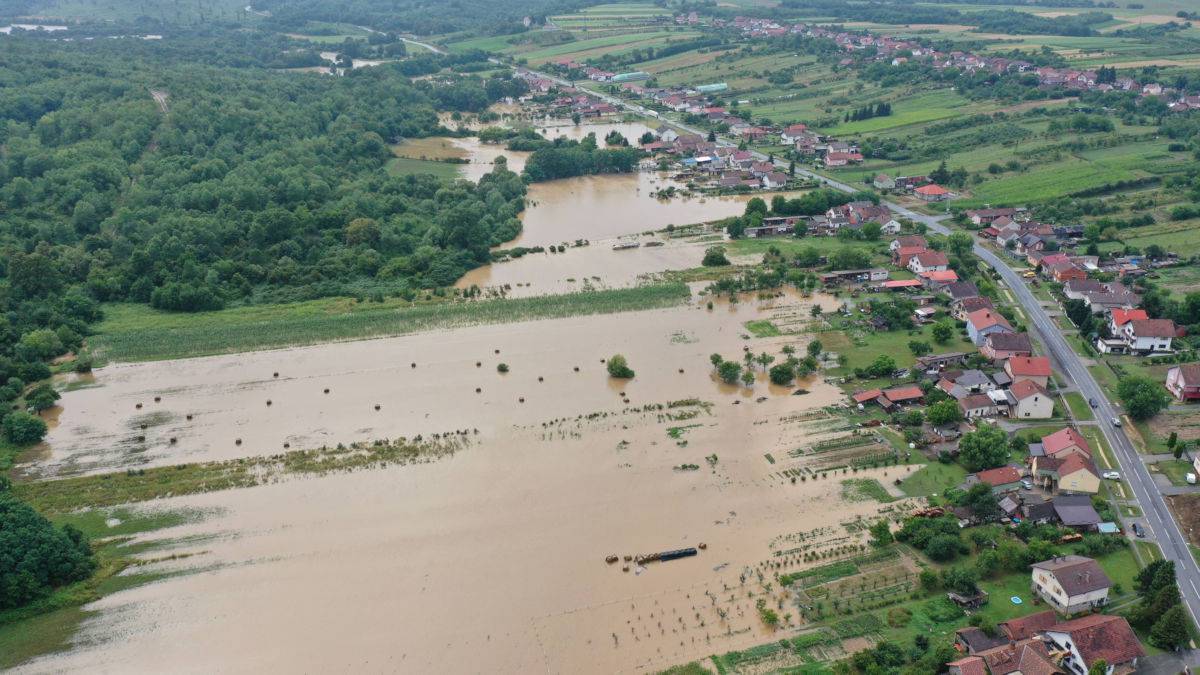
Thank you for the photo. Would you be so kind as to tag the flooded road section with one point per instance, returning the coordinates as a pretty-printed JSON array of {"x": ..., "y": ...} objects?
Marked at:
[
  {"x": 492, "y": 560},
  {"x": 199, "y": 409}
]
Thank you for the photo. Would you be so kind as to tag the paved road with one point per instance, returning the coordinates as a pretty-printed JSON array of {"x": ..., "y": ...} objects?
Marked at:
[{"x": 1157, "y": 517}]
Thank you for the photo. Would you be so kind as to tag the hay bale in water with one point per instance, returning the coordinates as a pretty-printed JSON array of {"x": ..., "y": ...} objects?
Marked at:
[
  {"x": 478, "y": 390},
  {"x": 268, "y": 401},
  {"x": 377, "y": 406},
  {"x": 540, "y": 378},
  {"x": 326, "y": 390},
  {"x": 276, "y": 374},
  {"x": 157, "y": 399},
  {"x": 287, "y": 445},
  {"x": 237, "y": 441},
  {"x": 138, "y": 406},
  {"x": 172, "y": 440},
  {"x": 189, "y": 417},
  {"x": 414, "y": 365}
]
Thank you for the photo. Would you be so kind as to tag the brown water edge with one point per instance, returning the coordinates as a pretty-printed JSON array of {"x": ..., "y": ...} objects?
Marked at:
[
  {"x": 489, "y": 561},
  {"x": 238, "y": 397},
  {"x": 596, "y": 266}
]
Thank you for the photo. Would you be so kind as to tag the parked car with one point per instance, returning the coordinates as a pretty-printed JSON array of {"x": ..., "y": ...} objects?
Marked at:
[
  {"x": 1116, "y": 421},
  {"x": 1094, "y": 403},
  {"x": 1139, "y": 531},
  {"x": 1112, "y": 475},
  {"x": 1026, "y": 483}
]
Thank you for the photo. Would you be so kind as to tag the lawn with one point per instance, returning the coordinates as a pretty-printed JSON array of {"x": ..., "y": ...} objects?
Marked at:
[
  {"x": 403, "y": 166},
  {"x": 1080, "y": 409},
  {"x": 932, "y": 479},
  {"x": 1174, "y": 469},
  {"x": 599, "y": 45},
  {"x": 138, "y": 333},
  {"x": 861, "y": 346}
]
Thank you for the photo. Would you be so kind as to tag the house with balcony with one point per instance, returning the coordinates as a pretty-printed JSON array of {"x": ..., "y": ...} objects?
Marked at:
[{"x": 1184, "y": 382}]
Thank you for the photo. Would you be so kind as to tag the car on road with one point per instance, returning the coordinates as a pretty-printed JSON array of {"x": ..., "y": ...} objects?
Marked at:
[
  {"x": 1112, "y": 475},
  {"x": 1094, "y": 403},
  {"x": 1116, "y": 421},
  {"x": 1139, "y": 531},
  {"x": 1027, "y": 484}
]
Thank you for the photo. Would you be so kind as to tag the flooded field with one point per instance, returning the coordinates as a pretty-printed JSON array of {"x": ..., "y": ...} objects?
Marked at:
[
  {"x": 598, "y": 209},
  {"x": 162, "y": 413},
  {"x": 593, "y": 267},
  {"x": 492, "y": 560}
]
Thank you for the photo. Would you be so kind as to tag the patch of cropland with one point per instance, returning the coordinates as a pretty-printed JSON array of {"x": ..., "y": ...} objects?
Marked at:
[{"x": 137, "y": 333}]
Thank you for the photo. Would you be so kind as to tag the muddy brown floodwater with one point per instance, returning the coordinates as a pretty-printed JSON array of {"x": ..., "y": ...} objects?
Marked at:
[
  {"x": 598, "y": 209},
  {"x": 227, "y": 396},
  {"x": 491, "y": 560}
]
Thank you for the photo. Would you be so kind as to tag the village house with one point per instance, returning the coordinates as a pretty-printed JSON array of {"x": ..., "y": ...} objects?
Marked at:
[
  {"x": 883, "y": 182},
  {"x": 774, "y": 180},
  {"x": 892, "y": 226},
  {"x": 1002, "y": 479},
  {"x": 938, "y": 280},
  {"x": 989, "y": 216},
  {"x": 961, "y": 290},
  {"x": 1098, "y": 637},
  {"x": 1069, "y": 473},
  {"x": 1184, "y": 383},
  {"x": 1117, "y": 318},
  {"x": 1065, "y": 442},
  {"x": 1030, "y": 401},
  {"x": 835, "y": 159},
  {"x": 1141, "y": 337},
  {"x": 1071, "y": 584},
  {"x": 1023, "y": 657},
  {"x": 962, "y": 308},
  {"x": 1065, "y": 271},
  {"x": 908, "y": 241},
  {"x": 793, "y": 133},
  {"x": 983, "y": 322},
  {"x": 933, "y": 193},
  {"x": 1034, "y": 368},
  {"x": 975, "y": 406},
  {"x": 1003, "y": 346},
  {"x": 928, "y": 261}
]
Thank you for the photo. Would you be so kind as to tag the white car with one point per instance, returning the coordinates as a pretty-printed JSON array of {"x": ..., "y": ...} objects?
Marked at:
[
  {"x": 1112, "y": 475},
  {"x": 1116, "y": 421}
]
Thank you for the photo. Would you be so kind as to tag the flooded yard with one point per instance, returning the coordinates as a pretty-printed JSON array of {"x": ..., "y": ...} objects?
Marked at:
[{"x": 493, "y": 559}]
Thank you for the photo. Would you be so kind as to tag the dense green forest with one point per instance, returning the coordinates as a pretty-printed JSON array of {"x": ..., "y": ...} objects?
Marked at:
[{"x": 253, "y": 185}]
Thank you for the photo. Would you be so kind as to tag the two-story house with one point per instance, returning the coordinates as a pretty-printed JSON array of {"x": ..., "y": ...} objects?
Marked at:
[
  {"x": 1099, "y": 637},
  {"x": 1071, "y": 584}
]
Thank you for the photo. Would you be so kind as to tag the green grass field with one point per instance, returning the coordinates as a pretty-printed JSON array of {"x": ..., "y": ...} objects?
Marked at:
[
  {"x": 933, "y": 479},
  {"x": 402, "y": 166},
  {"x": 1080, "y": 409},
  {"x": 139, "y": 333}
]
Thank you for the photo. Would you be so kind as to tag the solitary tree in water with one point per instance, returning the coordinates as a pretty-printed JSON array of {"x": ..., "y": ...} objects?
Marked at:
[{"x": 619, "y": 367}]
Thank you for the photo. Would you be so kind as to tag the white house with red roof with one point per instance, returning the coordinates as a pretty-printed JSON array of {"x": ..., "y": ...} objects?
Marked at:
[
  {"x": 928, "y": 261},
  {"x": 1031, "y": 401},
  {"x": 1034, "y": 368},
  {"x": 1065, "y": 442}
]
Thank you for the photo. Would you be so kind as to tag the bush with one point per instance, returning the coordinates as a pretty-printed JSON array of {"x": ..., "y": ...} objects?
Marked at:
[
  {"x": 37, "y": 556},
  {"x": 618, "y": 367},
  {"x": 715, "y": 257},
  {"x": 21, "y": 428}
]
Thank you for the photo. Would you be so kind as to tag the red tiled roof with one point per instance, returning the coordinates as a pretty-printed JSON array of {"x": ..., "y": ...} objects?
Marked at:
[
  {"x": 908, "y": 393},
  {"x": 982, "y": 318},
  {"x": 1029, "y": 625},
  {"x": 1004, "y": 475},
  {"x": 1063, "y": 439},
  {"x": 932, "y": 189},
  {"x": 932, "y": 258},
  {"x": 972, "y": 665},
  {"x": 943, "y": 275},
  {"x": 868, "y": 395},
  {"x": 912, "y": 241},
  {"x": 1023, "y": 389},
  {"x": 1102, "y": 636},
  {"x": 1028, "y": 366},
  {"x": 1073, "y": 462},
  {"x": 1122, "y": 316}
]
